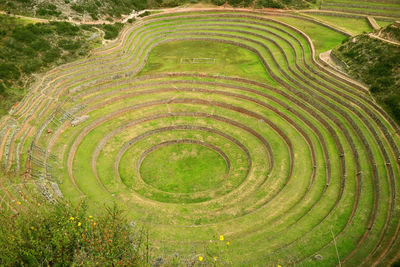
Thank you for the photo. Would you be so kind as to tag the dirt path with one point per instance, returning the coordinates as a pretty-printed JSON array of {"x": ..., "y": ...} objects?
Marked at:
[{"x": 383, "y": 39}]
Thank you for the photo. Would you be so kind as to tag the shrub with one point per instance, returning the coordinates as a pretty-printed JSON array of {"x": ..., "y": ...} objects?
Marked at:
[
  {"x": 65, "y": 28},
  {"x": 31, "y": 66},
  {"x": 218, "y": 2},
  {"x": 44, "y": 234},
  {"x": 8, "y": 71},
  {"x": 78, "y": 8},
  {"x": 69, "y": 44},
  {"x": 52, "y": 55},
  {"x": 269, "y": 3},
  {"x": 146, "y": 13},
  {"x": 48, "y": 9},
  {"x": 111, "y": 30}
]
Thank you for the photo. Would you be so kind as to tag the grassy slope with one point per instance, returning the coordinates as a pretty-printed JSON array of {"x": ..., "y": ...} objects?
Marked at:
[
  {"x": 322, "y": 37},
  {"x": 355, "y": 25},
  {"x": 377, "y": 63}
]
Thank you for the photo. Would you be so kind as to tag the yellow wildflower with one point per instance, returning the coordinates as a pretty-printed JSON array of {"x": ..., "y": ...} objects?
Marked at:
[
  {"x": 33, "y": 228},
  {"x": 94, "y": 224},
  {"x": 38, "y": 204},
  {"x": 79, "y": 223},
  {"x": 279, "y": 265},
  {"x": 221, "y": 237},
  {"x": 200, "y": 258},
  {"x": 215, "y": 258},
  {"x": 228, "y": 243},
  {"x": 19, "y": 203},
  {"x": 90, "y": 216},
  {"x": 71, "y": 218}
]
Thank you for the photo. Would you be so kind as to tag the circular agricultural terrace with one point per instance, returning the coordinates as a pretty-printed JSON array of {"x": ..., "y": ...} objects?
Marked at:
[{"x": 218, "y": 122}]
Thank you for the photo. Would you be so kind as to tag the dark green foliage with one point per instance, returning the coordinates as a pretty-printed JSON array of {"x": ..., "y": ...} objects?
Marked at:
[
  {"x": 25, "y": 49},
  {"x": 240, "y": 3},
  {"x": 391, "y": 32},
  {"x": 48, "y": 10},
  {"x": 112, "y": 8},
  {"x": 218, "y": 2},
  {"x": 8, "y": 71},
  {"x": 269, "y": 3},
  {"x": 376, "y": 63},
  {"x": 44, "y": 234},
  {"x": 116, "y": 8},
  {"x": 396, "y": 264},
  {"x": 69, "y": 44},
  {"x": 111, "y": 31},
  {"x": 52, "y": 55},
  {"x": 78, "y": 8},
  {"x": 146, "y": 13},
  {"x": 65, "y": 28}
]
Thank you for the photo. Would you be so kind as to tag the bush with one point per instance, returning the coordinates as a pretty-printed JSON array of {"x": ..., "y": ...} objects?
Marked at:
[
  {"x": 269, "y": 4},
  {"x": 48, "y": 9},
  {"x": 45, "y": 235},
  {"x": 78, "y": 8},
  {"x": 52, "y": 55},
  {"x": 65, "y": 28},
  {"x": 31, "y": 66},
  {"x": 377, "y": 64},
  {"x": 24, "y": 34},
  {"x": 146, "y": 13},
  {"x": 111, "y": 30},
  {"x": 218, "y": 2},
  {"x": 69, "y": 44},
  {"x": 8, "y": 71}
]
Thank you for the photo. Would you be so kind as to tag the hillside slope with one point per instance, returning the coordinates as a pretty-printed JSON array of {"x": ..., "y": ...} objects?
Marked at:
[
  {"x": 377, "y": 63},
  {"x": 114, "y": 9},
  {"x": 27, "y": 49}
]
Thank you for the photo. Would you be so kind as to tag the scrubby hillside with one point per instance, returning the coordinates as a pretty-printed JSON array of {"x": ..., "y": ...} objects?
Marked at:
[
  {"x": 377, "y": 63},
  {"x": 27, "y": 48},
  {"x": 44, "y": 234},
  {"x": 114, "y": 9}
]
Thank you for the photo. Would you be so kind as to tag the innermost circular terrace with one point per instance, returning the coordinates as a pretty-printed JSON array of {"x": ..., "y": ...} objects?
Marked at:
[{"x": 184, "y": 167}]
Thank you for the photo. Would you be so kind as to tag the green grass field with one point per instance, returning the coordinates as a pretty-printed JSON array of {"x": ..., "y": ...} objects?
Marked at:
[
  {"x": 388, "y": 9},
  {"x": 354, "y": 25},
  {"x": 183, "y": 168},
  {"x": 229, "y": 59},
  {"x": 217, "y": 123}
]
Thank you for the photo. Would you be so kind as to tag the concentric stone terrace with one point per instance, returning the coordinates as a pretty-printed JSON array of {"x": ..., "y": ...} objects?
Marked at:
[{"x": 284, "y": 157}]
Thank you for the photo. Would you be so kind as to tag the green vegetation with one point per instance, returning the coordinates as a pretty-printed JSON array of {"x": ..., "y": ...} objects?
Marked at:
[
  {"x": 47, "y": 9},
  {"x": 112, "y": 8},
  {"x": 107, "y": 9},
  {"x": 377, "y": 63},
  {"x": 30, "y": 48},
  {"x": 178, "y": 56},
  {"x": 383, "y": 23},
  {"x": 144, "y": 14},
  {"x": 378, "y": 8},
  {"x": 222, "y": 135},
  {"x": 111, "y": 31},
  {"x": 354, "y": 25},
  {"x": 30, "y": 8},
  {"x": 63, "y": 235},
  {"x": 183, "y": 168},
  {"x": 323, "y": 38}
]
